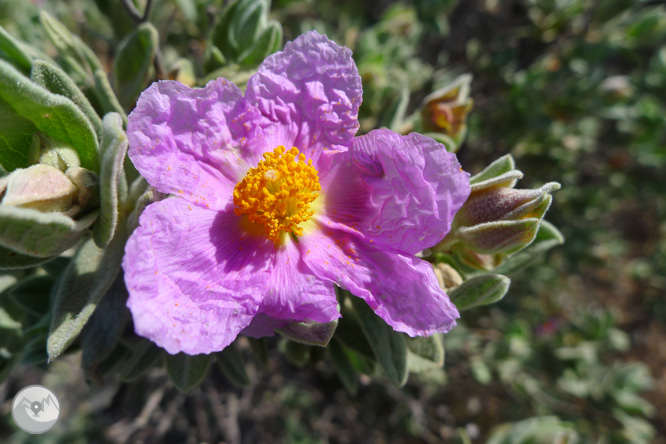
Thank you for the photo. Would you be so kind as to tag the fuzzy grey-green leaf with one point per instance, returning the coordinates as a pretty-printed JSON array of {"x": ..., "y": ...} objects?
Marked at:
[
  {"x": 187, "y": 371},
  {"x": 101, "y": 335},
  {"x": 230, "y": 361},
  {"x": 498, "y": 167},
  {"x": 343, "y": 367},
  {"x": 113, "y": 150},
  {"x": 32, "y": 293},
  {"x": 11, "y": 260},
  {"x": 133, "y": 63},
  {"x": 388, "y": 345},
  {"x": 424, "y": 354},
  {"x": 267, "y": 43},
  {"x": 107, "y": 98},
  {"x": 480, "y": 290},
  {"x": 53, "y": 114},
  {"x": 546, "y": 238},
  {"x": 144, "y": 356},
  {"x": 309, "y": 333},
  {"x": 38, "y": 234},
  {"x": 15, "y": 138},
  {"x": 14, "y": 51},
  {"x": 86, "y": 280},
  {"x": 57, "y": 81}
]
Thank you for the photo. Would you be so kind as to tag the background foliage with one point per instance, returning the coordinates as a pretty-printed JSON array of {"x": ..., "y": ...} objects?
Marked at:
[{"x": 573, "y": 89}]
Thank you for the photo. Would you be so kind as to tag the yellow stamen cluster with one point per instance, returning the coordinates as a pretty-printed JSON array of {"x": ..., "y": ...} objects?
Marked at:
[{"x": 277, "y": 192}]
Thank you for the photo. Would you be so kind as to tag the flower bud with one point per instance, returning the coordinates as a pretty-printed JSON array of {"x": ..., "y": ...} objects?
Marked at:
[
  {"x": 505, "y": 204},
  {"x": 447, "y": 276},
  {"x": 87, "y": 184},
  {"x": 497, "y": 220},
  {"x": 41, "y": 187},
  {"x": 445, "y": 110},
  {"x": 48, "y": 152}
]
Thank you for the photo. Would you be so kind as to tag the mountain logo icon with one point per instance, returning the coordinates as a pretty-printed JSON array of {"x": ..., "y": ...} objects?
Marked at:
[{"x": 35, "y": 409}]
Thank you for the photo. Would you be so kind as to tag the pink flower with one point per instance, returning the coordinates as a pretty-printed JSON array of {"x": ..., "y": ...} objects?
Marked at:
[{"x": 276, "y": 202}]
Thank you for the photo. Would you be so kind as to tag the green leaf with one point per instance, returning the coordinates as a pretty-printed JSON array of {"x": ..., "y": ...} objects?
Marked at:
[
  {"x": 133, "y": 63},
  {"x": 187, "y": 371},
  {"x": 14, "y": 51},
  {"x": 149, "y": 196},
  {"x": 68, "y": 45},
  {"x": 480, "y": 290},
  {"x": 11, "y": 338},
  {"x": 54, "y": 115},
  {"x": 86, "y": 280},
  {"x": 105, "y": 95},
  {"x": 546, "y": 238},
  {"x": 44, "y": 235},
  {"x": 260, "y": 350},
  {"x": 11, "y": 260},
  {"x": 103, "y": 332},
  {"x": 349, "y": 331},
  {"x": 248, "y": 23},
  {"x": 57, "y": 81},
  {"x": 213, "y": 58},
  {"x": 540, "y": 429},
  {"x": 15, "y": 138},
  {"x": 234, "y": 73},
  {"x": 500, "y": 166},
  {"x": 269, "y": 41},
  {"x": 395, "y": 115},
  {"x": 343, "y": 367},
  {"x": 113, "y": 150},
  {"x": 221, "y": 35},
  {"x": 503, "y": 236},
  {"x": 11, "y": 350},
  {"x": 230, "y": 361},
  {"x": 35, "y": 351},
  {"x": 114, "y": 363},
  {"x": 389, "y": 346},
  {"x": 297, "y": 353},
  {"x": 312, "y": 333},
  {"x": 424, "y": 354},
  {"x": 33, "y": 294},
  {"x": 448, "y": 142},
  {"x": 56, "y": 266},
  {"x": 145, "y": 355}
]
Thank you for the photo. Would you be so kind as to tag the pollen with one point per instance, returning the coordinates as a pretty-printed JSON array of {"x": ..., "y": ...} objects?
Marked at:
[{"x": 277, "y": 193}]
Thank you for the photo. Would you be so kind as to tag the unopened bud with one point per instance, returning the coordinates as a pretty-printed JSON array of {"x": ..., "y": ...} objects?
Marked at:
[
  {"x": 505, "y": 204},
  {"x": 48, "y": 152},
  {"x": 87, "y": 183},
  {"x": 497, "y": 219},
  {"x": 40, "y": 187},
  {"x": 447, "y": 276},
  {"x": 445, "y": 110}
]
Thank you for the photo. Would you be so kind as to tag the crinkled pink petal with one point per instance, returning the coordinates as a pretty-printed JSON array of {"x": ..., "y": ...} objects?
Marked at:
[
  {"x": 401, "y": 289},
  {"x": 294, "y": 292},
  {"x": 399, "y": 191},
  {"x": 195, "y": 143},
  {"x": 313, "y": 90},
  {"x": 195, "y": 279}
]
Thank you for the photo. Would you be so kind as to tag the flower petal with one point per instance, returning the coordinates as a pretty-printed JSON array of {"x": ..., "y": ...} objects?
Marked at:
[
  {"x": 294, "y": 292},
  {"x": 263, "y": 325},
  {"x": 401, "y": 289},
  {"x": 195, "y": 279},
  {"x": 400, "y": 191},
  {"x": 313, "y": 88},
  {"x": 194, "y": 142}
]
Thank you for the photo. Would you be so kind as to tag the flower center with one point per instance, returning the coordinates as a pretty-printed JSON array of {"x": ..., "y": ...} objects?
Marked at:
[{"x": 277, "y": 192}]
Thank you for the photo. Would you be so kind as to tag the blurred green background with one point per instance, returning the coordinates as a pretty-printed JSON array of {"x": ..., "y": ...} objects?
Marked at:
[{"x": 575, "y": 90}]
